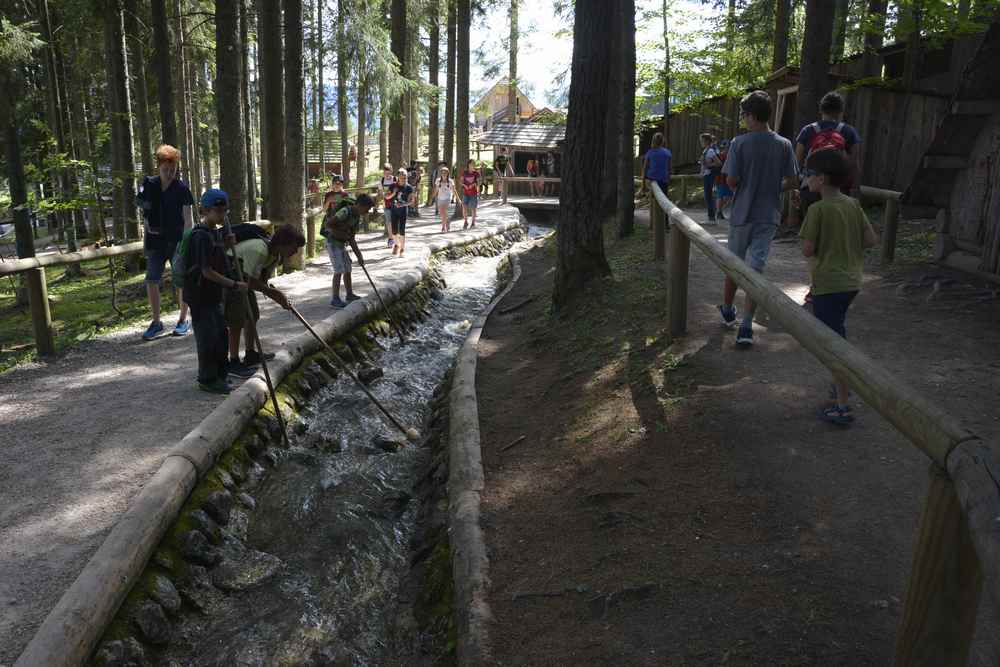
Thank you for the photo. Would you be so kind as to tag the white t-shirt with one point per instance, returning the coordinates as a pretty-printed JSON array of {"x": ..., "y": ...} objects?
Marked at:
[
  {"x": 444, "y": 189},
  {"x": 708, "y": 155}
]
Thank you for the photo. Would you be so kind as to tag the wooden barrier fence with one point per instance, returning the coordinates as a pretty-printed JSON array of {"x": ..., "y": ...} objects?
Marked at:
[{"x": 958, "y": 543}]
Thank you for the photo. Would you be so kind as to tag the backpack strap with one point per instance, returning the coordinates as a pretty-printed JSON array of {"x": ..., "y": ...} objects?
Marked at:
[{"x": 840, "y": 127}]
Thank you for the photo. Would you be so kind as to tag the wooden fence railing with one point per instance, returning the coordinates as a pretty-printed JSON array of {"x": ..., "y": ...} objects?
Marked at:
[{"x": 958, "y": 543}]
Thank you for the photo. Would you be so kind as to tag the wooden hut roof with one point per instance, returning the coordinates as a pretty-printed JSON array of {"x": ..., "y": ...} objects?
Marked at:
[{"x": 524, "y": 135}]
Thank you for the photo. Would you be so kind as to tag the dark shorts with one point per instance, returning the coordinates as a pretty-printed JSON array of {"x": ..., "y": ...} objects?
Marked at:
[
  {"x": 157, "y": 254},
  {"x": 399, "y": 221},
  {"x": 236, "y": 309},
  {"x": 831, "y": 309}
]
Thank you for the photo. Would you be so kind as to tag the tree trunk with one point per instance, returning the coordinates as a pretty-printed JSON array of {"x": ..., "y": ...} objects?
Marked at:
[
  {"x": 731, "y": 27},
  {"x": 963, "y": 9},
  {"x": 874, "y": 36},
  {"x": 342, "y": 121},
  {"x": 137, "y": 44},
  {"x": 841, "y": 11},
  {"x": 312, "y": 129},
  {"x": 911, "y": 65},
  {"x": 580, "y": 240},
  {"x": 273, "y": 116},
  {"x": 229, "y": 106},
  {"x": 608, "y": 184},
  {"x": 251, "y": 182},
  {"x": 814, "y": 79},
  {"x": 464, "y": 26},
  {"x": 179, "y": 58},
  {"x": 666, "y": 74},
  {"x": 412, "y": 116},
  {"x": 398, "y": 45},
  {"x": 24, "y": 239},
  {"x": 782, "y": 16},
  {"x": 433, "y": 112},
  {"x": 121, "y": 120},
  {"x": 359, "y": 177},
  {"x": 202, "y": 140},
  {"x": 383, "y": 134},
  {"x": 449, "y": 98},
  {"x": 294, "y": 134},
  {"x": 73, "y": 142},
  {"x": 320, "y": 56},
  {"x": 162, "y": 54},
  {"x": 626, "y": 156},
  {"x": 512, "y": 114}
]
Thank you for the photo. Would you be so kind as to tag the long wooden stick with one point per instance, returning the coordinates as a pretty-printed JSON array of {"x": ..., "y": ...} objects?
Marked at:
[
  {"x": 395, "y": 326},
  {"x": 410, "y": 433},
  {"x": 256, "y": 338}
]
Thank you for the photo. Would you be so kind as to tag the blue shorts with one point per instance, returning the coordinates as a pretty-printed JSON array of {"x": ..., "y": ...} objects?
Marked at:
[
  {"x": 831, "y": 309},
  {"x": 751, "y": 242},
  {"x": 339, "y": 258},
  {"x": 722, "y": 191},
  {"x": 470, "y": 201},
  {"x": 157, "y": 255}
]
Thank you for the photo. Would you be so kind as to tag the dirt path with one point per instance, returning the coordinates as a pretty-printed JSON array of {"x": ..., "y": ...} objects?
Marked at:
[
  {"x": 81, "y": 434},
  {"x": 675, "y": 505}
]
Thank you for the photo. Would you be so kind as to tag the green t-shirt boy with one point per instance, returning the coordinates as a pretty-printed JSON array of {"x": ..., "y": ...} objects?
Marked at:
[{"x": 836, "y": 226}]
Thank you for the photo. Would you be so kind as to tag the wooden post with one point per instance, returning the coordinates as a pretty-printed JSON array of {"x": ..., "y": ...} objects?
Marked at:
[
  {"x": 41, "y": 317},
  {"x": 658, "y": 219},
  {"x": 942, "y": 595},
  {"x": 677, "y": 281},
  {"x": 889, "y": 230},
  {"x": 683, "y": 201}
]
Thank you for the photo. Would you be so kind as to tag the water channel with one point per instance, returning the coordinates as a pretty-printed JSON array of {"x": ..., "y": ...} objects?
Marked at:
[{"x": 314, "y": 572}]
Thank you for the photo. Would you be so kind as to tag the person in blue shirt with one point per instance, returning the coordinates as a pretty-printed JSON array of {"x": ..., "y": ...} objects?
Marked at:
[{"x": 656, "y": 164}]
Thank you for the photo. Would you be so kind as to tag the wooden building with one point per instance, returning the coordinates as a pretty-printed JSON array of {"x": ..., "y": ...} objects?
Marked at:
[
  {"x": 958, "y": 175},
  {"x": 491, "y": 108},
  {"x": 333, "y": 162},
  {"x": 527, "y": 141}
]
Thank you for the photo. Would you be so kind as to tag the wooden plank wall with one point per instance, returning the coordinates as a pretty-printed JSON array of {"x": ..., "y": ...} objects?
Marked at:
[{"x": 720, "y": 116}]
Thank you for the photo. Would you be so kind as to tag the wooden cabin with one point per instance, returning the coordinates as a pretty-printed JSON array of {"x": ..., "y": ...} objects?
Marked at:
[
  {"x": 524, "y": 142},
  {"x": 491, "y": 108},
  {"x": 957, "y": 179},
  {"x": 333, "y": 162}
]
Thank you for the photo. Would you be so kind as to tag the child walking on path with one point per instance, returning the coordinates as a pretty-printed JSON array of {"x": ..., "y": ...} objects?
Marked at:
[
  {"x": 343, "y": 227},
  {"x": 385, "y": 194},
  {"x": 204, "y": 281},
  {"x": 470, "y": 192},
  {"x": 834, "y": 236},
  {"x": 404, "y": 197},
  {"x": 444, "y": 195}
]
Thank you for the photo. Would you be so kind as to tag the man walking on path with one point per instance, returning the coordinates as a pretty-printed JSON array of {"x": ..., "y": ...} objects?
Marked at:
[
  {"x": 711, "y": 166},
  {"x": 343, "y": 227},
  {"x": 413, "y": 178},
  {"x": 501, "y": 169},
  {"x": 830, "y": 132},
  {"x": 166, "y": 203},
  {"x": 761, "y": 164}
]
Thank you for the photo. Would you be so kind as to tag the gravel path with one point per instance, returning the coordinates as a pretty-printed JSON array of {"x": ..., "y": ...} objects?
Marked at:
[{"x": 82, "y": 433}]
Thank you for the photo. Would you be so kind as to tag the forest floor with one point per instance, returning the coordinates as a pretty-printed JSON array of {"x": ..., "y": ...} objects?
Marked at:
[
  {"x": 680, "y": 503},
  {"x": 81, "y": 433}
]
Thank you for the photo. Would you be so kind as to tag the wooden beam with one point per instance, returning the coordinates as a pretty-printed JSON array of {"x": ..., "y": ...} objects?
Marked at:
[
  {"x": 879, "y": 194},
  {"x": 677, "y": 282},
  {"x": 945, "y": 162},
  {"x": 975, "y": 107},
  {"x": 889, "y": 228},
  {"x": 659, "y": 223},
  {"x": 41, "y": 316},
  {"x": 942, "y": 596},
  {"x": 58, "y": 259}
]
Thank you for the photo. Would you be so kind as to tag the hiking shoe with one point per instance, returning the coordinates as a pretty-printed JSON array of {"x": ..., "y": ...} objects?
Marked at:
[
  {"x": 216, "y": 387},
  {"x": 253, "y": 357},
  {"x": 353, "y": 297},
  {"x": 744, "y": 336},
  {"x": 837, "y": 414},
  {"x": 728, "y": 315},
  {"x": 337, "y": 302},
  {"x": 182, "y": 328},
  {"x": 154, "y": 330},
  {"x": 240, "y": 370}
]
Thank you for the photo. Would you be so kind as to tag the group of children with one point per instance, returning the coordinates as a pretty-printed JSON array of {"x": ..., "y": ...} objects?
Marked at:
[
  {"x": 820, "y": 173},
  {"x": 204, "y": 258}
]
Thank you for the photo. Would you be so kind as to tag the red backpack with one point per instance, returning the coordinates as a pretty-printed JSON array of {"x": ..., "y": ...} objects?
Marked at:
[{"x": 828, "y": 139}]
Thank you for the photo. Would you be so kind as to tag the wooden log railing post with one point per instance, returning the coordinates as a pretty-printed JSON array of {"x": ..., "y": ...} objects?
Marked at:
[
  {"x": 683, "y": 201},
  {"x": 41, "y": 316},
  {"x": 889, "y": 230},
  {"x": 942, "y": 595},
  {"x": 677, "y": 282},
  {"x": 658, "y": 219}
]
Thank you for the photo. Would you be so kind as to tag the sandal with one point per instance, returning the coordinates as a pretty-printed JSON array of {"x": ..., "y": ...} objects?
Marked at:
[{"x": 836, "y": 414}]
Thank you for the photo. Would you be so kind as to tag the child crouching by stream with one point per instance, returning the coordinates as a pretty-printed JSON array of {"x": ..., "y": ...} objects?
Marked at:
[{"x": 834, "y": 236}]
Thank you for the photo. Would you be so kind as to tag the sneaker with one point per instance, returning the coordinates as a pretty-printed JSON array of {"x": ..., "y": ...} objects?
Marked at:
[
  {"x": 337, "y": 302},
  {"x": 240, "y": 370},
  {"x": 837, "y": 414},
  {"x": 182, "y": 328},
  {"x": 216, "y": 387},
  {"x": 720, "y": 216},
  {"x": 728, "y": 315},
  {"x": 465, "y": 226},
  {"x": 353, "y": 297},
  {"x": 253, "y": 357},
  {"x": 744, "y": 336},
  {"x": 390, "y": 243},
  {"x": 154, "y": 330}
]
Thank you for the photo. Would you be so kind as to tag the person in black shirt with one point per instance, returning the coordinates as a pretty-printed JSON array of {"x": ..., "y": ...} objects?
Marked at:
[
  {"x": 166, "y": 204},
  {"x": 501, "y": 169},
  {"x": 205, "y": 264}
]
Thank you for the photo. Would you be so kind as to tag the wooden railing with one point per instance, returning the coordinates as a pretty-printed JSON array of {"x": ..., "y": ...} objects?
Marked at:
[
  {"x": 890, "y": 219},
  {"x": 958, "y": 542}
]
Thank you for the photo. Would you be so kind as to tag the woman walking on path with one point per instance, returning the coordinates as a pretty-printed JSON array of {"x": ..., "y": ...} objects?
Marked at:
[
  {"x": 444, "y": 195},
  {"x": 722, "y": 190},
  {"x": 385, "y": 194},
  {"x": 711, "y": 167},
  {"x": 403, "y": 197},
  {"x": 532, "y": 169},
  {"x": 470, "y": 192}
]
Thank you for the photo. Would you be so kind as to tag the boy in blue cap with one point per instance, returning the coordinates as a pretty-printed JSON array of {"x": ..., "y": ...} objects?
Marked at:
[{"x": 204, "y": 280}]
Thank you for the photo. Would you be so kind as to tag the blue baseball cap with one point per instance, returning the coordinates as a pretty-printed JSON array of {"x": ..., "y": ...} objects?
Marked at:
[{"x": 214, "y": 197}]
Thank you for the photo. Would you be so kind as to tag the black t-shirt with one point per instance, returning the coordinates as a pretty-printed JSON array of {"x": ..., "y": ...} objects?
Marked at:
[
  {"x": 164, "y": 209},
  {"x": 500, "y": 164},
  {"x": 403, "y": 192},
  {"x": 204, "y": 250}
]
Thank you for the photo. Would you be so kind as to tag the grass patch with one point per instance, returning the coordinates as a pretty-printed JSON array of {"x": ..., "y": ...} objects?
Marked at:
[{"x": 81, "y": 309}]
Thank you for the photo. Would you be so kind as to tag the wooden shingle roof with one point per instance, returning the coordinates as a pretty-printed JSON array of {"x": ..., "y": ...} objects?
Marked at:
[{"x": 524, "y": 135}]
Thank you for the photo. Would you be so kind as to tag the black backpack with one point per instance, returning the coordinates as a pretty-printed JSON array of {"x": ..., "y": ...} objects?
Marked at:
[
  {"x": 324, "y": 229},
  {"x": 246, "y": 231}
]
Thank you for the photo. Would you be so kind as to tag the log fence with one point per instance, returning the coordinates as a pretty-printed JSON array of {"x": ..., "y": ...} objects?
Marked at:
[{"x": 958, "y": 543}]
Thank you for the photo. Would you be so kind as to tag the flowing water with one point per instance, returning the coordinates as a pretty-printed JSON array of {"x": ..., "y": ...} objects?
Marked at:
[{"x": 312, "y": 575}]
